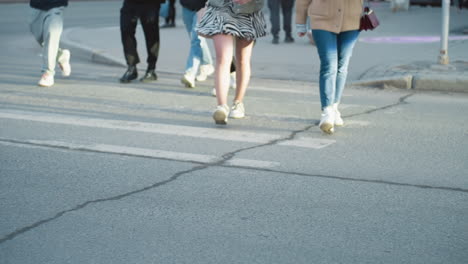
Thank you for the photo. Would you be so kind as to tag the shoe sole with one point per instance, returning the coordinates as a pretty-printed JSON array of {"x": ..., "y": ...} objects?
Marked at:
[
  {"x": 127, "y": 81},
  {"x": 44, "y": 85},
  {"x": 220, "y": 117},
  {"x": 327, "y": 128},
  {"x": 187, "y": 83},
  {"x": 148, "y": 80},
  {"x": 237, "y": 116}
]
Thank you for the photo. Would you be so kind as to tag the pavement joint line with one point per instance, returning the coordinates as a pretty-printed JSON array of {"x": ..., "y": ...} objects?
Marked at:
[{"x": 384, "y": 182}]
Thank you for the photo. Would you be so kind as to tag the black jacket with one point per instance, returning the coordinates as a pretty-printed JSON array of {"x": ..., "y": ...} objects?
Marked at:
[
  {"x": 193, "y": 5},
  {"x": 47, "y": 4}
]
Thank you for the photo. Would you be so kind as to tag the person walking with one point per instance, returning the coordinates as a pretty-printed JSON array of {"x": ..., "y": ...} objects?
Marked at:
[
  {"x": 199, "y": 59},
  {"x": 335, "y": 29},
  {"x": 286, "y": 7},
  {"x": 232, "y": 24},
  {"x": 170, "y": 19},
  {"x": 46, "y": 25},
  {"x": 147, "y": 11}
]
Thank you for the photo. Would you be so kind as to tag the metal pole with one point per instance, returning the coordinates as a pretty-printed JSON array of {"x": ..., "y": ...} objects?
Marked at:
[{"x": 443, "y": 56}]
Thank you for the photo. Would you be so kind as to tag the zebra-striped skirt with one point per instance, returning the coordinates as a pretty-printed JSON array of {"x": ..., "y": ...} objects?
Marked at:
[{"x": 223, "y": 20}]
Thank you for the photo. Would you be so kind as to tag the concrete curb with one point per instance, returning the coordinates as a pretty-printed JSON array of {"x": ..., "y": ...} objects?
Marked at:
[
  {"x": 402, "y": 81},
  {"x": 441, "y": 83},
  {"x": 89, "y": 53},
  {"x": 423, "y": 82}
]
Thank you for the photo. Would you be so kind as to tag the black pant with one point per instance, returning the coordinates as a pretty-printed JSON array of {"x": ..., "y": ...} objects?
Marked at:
[
  {"x": 286, "y": 7},
  {"x": 149, "y": 19},
  {"x": 170, "y": 19}
]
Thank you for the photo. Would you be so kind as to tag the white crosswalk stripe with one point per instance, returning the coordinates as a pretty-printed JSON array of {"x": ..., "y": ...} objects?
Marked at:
[
  {"x": 157, "y": 128},
  {"x": 144, "y": 152},
  {"x": 174, "y": 130}
]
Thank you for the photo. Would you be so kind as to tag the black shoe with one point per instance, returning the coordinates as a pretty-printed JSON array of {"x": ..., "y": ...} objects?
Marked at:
[
  {"x": 289, "y": 39},
  {"x": 130, "y": 75},
  {"x": 149, "y": 76},
  {"x": 275, "y": 40}
]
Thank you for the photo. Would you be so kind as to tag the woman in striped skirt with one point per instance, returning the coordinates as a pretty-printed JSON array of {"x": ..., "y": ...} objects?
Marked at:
[{"x": 233, "y": 25}]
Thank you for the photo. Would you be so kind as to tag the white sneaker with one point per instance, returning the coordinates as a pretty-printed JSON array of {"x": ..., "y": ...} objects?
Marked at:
[
  {"x": 205, "y": 71},
  {"x": 237, "y": 110},
  {"x": 220, "y": 115},
  {"x": 327, "y": 120},
  {"x": 338, "y": 120},
  {"x": 188, "y": 80},
  {"x": 47, "y": 80},
  {"x": 64, "y": 62}
]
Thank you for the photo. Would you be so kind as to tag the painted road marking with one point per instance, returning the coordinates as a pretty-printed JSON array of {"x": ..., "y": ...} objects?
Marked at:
[
  {"x": 173, "y": 130},
  {"x": 141, "y": 152},
  {"x": 305, "y": 90}
]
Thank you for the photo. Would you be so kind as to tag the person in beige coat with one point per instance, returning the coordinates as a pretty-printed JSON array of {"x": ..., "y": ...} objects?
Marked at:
[{"x": 335, "y": 29}]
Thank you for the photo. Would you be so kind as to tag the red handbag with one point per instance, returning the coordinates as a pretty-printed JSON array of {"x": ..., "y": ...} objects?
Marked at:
[{"x": 369, "y": 20}]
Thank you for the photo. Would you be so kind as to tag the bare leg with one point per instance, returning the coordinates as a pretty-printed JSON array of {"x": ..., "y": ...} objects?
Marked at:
[
  {"x": 224, "y": 50},
  {"x": 243, "y": 68}
]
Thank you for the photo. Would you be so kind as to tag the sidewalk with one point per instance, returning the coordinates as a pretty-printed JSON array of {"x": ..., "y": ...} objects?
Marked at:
[{"x": 402, "y": 52}]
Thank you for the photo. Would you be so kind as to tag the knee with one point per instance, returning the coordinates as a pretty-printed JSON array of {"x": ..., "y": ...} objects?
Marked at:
[
  {"x": 53, "y": 33},
  {"x": 327, "y": 67},
  {"x": 343, "y": 64},
  {"x": 342, "y": 70},
  {"x": 223, "y": 60},
  {"x": 242, "y": 62},
  {"x": 195, "y": 40},
  {"x": 128, "y": 24},
  {"x": 150, "y": 19},
  {"x": 127, "y": 28}
]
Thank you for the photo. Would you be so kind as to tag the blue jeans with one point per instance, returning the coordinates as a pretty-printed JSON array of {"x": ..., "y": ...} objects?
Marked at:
[
  {"x": 334, "y": 51},
  {"x": 199, "y": 50}
]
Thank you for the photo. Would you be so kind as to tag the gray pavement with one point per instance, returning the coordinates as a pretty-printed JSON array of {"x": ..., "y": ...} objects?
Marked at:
[
  {"x": 95, "y": 171},
  {"x": 402, "y": 52}
]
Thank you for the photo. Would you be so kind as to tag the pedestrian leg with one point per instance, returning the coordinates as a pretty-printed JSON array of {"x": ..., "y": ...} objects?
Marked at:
[
  {"x": 53, "y": 26},
  {"x": 243, "y": 67},
  {"x": 274, "y": 6}
]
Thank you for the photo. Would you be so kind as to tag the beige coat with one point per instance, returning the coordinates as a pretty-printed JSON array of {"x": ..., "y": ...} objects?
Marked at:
[{"x": 330, "y": 15}]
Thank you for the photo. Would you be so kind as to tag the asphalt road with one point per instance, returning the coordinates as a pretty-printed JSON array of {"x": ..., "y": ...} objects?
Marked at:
[{"x": 93, "y": 171}]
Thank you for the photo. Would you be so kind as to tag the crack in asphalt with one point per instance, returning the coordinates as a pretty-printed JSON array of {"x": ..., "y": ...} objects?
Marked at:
[
  {"x": 222, "y": 163},
  {"x": 113, "y": 198},
  {"x": 401, "y": 101}
]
